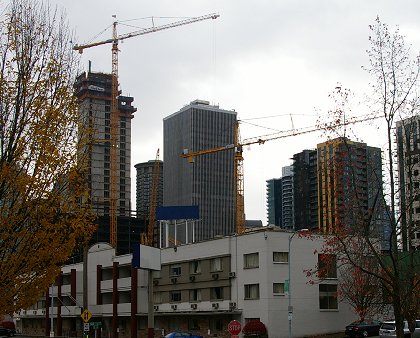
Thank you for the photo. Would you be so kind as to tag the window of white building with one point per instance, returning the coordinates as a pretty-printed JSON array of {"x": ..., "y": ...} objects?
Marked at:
[
  {"x": 280, "y": 257},
  {"x": 278, "y": 288},
  {"x": 252, "y": 291},
  {"x": 328, "y": 297},
  {"x": 195, "y": 295},
  {"x": 175, "y": 296},
  {"x": 195, "y": 267},
  {"x": 251, "y": 260},
  {"x": 216, "y": 264}
]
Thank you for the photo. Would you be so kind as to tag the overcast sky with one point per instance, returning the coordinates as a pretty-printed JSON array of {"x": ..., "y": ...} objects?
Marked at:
[{"x": 261, "y": 58}]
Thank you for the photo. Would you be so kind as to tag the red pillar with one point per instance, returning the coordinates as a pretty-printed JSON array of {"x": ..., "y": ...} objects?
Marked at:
[{"x": 115, "y": 300}]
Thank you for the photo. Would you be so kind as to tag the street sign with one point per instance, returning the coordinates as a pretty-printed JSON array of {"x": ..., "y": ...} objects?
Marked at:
[
  {"x": 86, "y": 327},
  {"x": 286, "y": 286},
  {"x": 234, "y": 327},
  {"x": 86, "y": 316},
  {"x": 95, "y": 325}
]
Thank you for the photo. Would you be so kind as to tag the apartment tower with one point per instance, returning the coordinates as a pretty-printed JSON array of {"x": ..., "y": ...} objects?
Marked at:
[
  {"x": 209, "y": 180},
  {"x": 144, "y": 178},
  {"x": 94, "y": 93},
  {"x": 408, "y": 150},
  {"x": 349, "y": 176}
]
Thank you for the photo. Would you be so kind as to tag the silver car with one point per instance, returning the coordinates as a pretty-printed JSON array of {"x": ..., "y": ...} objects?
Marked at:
[{"x": 388, "y": 330}]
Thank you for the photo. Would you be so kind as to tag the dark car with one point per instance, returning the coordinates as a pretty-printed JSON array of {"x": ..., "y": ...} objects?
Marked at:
[
  {"x": 5, "y": 332},
  {"x": 363, "y": 328}
]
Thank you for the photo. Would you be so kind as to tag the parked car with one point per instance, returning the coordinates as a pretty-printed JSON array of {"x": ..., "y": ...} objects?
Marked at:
[
  {"x": 388, "y": 330},
  {"x": 182, "y": 335},
  {"x": 363, "y": 328},
  {"x": 5, "y": 332}
]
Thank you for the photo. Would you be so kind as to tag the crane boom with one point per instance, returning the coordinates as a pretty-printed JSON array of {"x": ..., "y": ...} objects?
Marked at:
[
  {"x": 153, "y": 29},
  {"x": 238, "y": 157},
  {"x": 113, "y": 193}
]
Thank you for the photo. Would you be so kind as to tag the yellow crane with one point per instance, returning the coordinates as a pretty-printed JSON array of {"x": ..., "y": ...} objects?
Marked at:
[
  {"x": 114, "y": 103},
  {"x": 238, "y": 157}
]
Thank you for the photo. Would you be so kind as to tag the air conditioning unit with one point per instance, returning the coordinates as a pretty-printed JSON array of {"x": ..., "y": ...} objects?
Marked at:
[
  {"x": 194, "y": 306},
  {"x": 232, "y": 274},
  {"x": 215, "y": 276},
  {"x": 192, "y": 278},
  {"x": 173, "y": 307},
  {"x": 174, "y": 280},
  {"x": 155, "y": 282},
  {"x": 232, "y": 305},
  {"x": 215, "y": 305},
  {"x": 156, "y": 307},
  {"x": 43, "y": 312}
]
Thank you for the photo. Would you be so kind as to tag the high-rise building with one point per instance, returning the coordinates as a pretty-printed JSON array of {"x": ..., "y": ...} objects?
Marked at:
[
  {"x": 287, "y": 213},
  {"x": 273, "y": 188},
  {"x": 408, "y": 150},
  {"x": 93, "y": 91},
  {"x": 349, "y": 179},
  {"x": 305, "y": 190},
  {"x": 280, "y": 199},
  {"x": 209, "y": 181},
  {"x": 144, "y": 177}
]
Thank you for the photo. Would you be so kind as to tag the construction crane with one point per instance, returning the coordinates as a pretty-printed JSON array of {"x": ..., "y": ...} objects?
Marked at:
[
  {"x": 150, "y": 237},
  {"x": 114, "y": 103},
  {"x": 238, "y": 145}
]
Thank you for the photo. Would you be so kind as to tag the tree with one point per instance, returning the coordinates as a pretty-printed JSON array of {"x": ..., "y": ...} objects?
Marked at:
[
  {"x": 390, "y": 248},
  {"x": 44, "y": 209}
]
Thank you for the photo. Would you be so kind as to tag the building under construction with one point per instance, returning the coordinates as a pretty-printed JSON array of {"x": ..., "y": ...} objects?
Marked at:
[{"x": 94, "y": 93}]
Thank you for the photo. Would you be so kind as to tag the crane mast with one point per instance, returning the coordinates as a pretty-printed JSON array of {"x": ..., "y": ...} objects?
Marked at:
[{"x": 113, "y": 200}]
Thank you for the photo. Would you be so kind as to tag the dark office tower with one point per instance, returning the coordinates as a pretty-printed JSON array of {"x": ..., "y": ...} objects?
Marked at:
[
  {"x": 349, "y": 179},
  {"x": 305, "y": 190},
  {"x": 408, "y": 150},
  {"x": 209, "y": 181},
  {"x": 93, "y": 91},
  {"x": 274, "y": 201},
  {"x": 280, "y": 200},
  {"x": 144, "y": 175}
]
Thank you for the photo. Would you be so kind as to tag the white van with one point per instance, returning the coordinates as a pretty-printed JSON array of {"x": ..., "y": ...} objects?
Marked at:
[{"x": 387, "y": 330}]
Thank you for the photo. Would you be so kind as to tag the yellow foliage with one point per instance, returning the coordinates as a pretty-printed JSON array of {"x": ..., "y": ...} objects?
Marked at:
[{"x": 44, "y": 204}]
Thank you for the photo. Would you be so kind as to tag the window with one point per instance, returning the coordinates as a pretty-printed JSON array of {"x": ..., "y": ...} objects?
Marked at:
[
  {"x": 216, "y": 293},
  {"x": 157, "y": 297},
  {"x": 328, "y": 297},
  {"x": 327, "y": 266},
  {"x": 216, "y": 324},
  {"x": 252, "y": 291},
  {"x": 195, "y": 295},
  {"x": 195, "y": 267},
  {"x": 251, "y": 260},
  {"x": 175, "y": 270},
  {"x": 175, "y": 296},
  {"x": 278, "y": 288},
  {"x": 280, "y": 257},
  {"x": 216, "y": 264},
  {"x": 193, "y": 324}
]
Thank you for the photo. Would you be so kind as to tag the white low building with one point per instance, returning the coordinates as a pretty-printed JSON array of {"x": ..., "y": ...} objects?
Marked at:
[{"x": 200, "y": 288}]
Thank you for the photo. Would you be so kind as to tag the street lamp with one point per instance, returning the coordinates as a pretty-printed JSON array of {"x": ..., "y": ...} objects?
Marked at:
[{"x": 290, "y": 307}]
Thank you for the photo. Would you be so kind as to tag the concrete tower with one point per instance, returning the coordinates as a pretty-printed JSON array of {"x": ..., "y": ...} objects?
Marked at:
[{"x": 209, "y": 181}]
